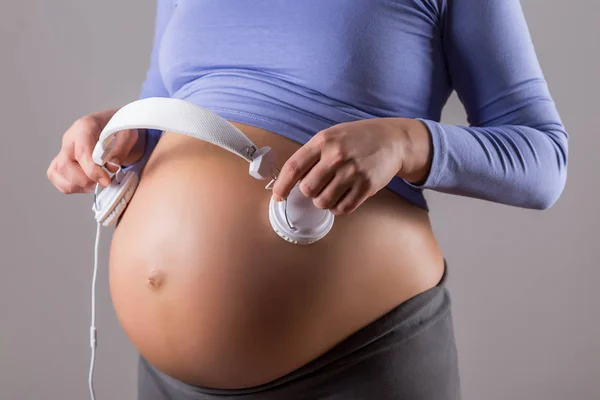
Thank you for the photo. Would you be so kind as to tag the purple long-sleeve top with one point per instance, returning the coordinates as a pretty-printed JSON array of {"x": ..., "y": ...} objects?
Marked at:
[{"x": 298, "y": 67}]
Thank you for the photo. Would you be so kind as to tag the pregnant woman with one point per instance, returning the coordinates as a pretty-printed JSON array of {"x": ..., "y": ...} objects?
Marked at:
[{"x": 349, "y": 96}]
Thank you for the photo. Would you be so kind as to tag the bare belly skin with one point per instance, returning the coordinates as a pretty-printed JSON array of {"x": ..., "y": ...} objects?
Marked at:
[{"x": 209, "y": 294}]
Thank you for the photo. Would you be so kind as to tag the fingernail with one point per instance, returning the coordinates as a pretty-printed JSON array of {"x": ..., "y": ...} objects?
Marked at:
[{"x": 277, "y": 198}]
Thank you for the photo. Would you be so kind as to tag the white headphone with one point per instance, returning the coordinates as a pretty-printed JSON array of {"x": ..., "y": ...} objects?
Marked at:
[{"x": 296, "y": 219}]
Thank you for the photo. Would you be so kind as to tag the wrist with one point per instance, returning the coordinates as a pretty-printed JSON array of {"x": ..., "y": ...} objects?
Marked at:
[{"x": 417, "y": 151}]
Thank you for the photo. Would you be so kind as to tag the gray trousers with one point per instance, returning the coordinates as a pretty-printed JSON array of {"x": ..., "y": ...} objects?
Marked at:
[{"x": 407, "y": 354}]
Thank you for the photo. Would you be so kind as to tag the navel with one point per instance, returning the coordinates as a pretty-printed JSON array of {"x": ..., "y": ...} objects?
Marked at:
[{"x": 156, "y": 280}]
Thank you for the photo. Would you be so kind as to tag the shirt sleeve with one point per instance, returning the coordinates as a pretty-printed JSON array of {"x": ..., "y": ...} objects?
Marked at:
[
  {"x": 153, "y": 85},
  {"x": 514, "y": 150}
]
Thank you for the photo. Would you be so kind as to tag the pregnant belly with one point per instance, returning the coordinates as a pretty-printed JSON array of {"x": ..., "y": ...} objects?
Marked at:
[{"x": 209, "y": 294}]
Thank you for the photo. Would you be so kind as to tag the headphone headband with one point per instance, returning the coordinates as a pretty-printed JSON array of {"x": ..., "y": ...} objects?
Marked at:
[{"x": 179, "y": 116}]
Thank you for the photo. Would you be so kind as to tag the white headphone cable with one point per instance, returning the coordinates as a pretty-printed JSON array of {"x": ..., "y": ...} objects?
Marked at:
[
  {"x": 93, "y": 335},
  {"x": 93, "y": 323}
]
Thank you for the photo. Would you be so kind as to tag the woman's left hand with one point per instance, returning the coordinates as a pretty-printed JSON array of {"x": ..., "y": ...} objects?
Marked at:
[{"x": 342, "y": 166}]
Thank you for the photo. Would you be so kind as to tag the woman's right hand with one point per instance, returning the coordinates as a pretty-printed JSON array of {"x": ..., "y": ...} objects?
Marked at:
[{"x": 74, "y": 171}]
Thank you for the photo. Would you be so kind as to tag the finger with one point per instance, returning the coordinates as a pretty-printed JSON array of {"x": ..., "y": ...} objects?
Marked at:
[
  {"x": 63, "y": 184},
  {"x": 88, "y": 189},
  {"x": 295, "y": 168},
  {"x": 112, "y": 168},
  {"x": 83, "y": 155},
  {"x": 332, "y": 193},
  {"x": 72, "y": 172},
  {"x": 319, "y": 176},
  {"x": 123, "y": 143},
  {"x": 351, "y": 200},
  {"x": 131, "y": 138}
]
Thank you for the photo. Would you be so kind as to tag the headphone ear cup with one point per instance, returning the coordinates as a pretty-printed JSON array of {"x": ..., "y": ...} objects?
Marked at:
[
  {"x": 112, "y": 200},
  {"x": 111, "y": 219},
  {"x": 297, "y": 220}
]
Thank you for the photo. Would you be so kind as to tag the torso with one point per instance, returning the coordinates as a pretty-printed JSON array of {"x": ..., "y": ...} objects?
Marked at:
[{"x": 209, "y": 294}]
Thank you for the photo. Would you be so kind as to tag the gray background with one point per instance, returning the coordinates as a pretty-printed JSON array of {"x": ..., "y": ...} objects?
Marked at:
[{"x": 523, "y": 282}]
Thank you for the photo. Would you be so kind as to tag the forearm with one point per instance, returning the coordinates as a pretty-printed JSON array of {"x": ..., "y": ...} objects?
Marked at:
[
  {"x": 515, "y": 150},
  {"x": 513, "y": 165}
]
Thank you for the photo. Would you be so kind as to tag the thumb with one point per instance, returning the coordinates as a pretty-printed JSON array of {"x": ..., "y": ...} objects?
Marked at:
[{"x": 123, "y": 144}]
